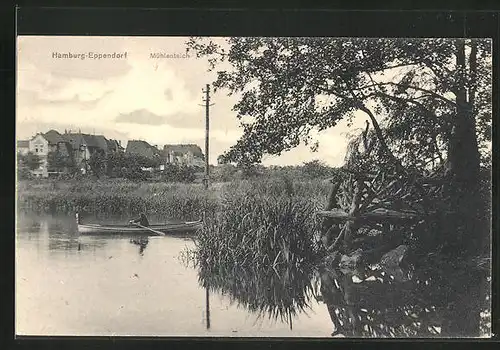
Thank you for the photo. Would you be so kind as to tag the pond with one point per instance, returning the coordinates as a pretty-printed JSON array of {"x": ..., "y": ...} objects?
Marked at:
[
  {"x": 72, "y": 284},
  {"x": 68, "y": 284}
]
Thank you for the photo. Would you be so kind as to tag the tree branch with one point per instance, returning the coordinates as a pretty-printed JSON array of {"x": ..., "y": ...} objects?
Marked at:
[
  {"x": 380, "y": 136},
  {"x": 378, "y": 131},
  {"x": 429, "y": 92}
]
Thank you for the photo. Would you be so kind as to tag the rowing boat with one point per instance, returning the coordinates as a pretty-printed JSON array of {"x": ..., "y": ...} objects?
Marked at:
[{"x": 173, "y": 228}]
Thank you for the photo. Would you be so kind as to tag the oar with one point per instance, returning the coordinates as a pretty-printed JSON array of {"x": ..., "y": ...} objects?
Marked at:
[{"x": 150, "y": 229}]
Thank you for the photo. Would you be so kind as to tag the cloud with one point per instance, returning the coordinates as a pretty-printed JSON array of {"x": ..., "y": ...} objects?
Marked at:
[
  {"x": 35, "y": 99},
  {"x": 168, "y": 94},
  {"x": 141, "y": 116}
]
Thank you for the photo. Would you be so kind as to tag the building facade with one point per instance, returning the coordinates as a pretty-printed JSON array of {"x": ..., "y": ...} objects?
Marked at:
[
  {"x": 44, "y": 143},
  {"x": 85, "y": 145},
  {"x": 188, "y": 154}
]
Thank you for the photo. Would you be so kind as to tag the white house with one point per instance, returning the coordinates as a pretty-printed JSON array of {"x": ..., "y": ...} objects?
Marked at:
[
  {"x": 188, "y": 154},
  {"x": 42, "y": 144},
  {"x": 39, "y": 145}
]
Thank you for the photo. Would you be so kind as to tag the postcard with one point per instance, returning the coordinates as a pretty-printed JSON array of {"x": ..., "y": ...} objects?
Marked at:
[{"x": 310, "y": 187}]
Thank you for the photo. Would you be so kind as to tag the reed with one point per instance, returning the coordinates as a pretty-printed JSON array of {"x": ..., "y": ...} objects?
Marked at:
[
  {"x": 110, "y": 197},
  {"x": 255, "y": 229}
]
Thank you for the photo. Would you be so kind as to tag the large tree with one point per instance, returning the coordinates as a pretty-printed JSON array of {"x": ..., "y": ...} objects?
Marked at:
[
  {"x": 433, "y": 95},
  {"x": 427, "y": 100}
]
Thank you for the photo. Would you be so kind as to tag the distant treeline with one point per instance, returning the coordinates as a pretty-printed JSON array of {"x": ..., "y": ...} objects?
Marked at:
[
  {"x": 139, "y": 168},
  {"x": 314, "y": 169}
]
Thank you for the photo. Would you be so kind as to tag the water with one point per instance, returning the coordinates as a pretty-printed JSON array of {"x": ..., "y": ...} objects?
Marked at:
[
  {"x": 68, "y": 284},
  {"x": 71, "y": 284}
]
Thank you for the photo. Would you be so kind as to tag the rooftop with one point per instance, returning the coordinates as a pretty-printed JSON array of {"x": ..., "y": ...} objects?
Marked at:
[
  {"x": 53, "y": 137},
  {"x": 183, "y": 149},
  {"x": 142, "y": 148}
]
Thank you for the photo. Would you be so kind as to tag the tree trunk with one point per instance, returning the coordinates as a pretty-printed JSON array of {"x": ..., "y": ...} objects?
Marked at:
[
  {"x": 463, "y": 151},
  {"x": 463, "y": 155},
  {"x": 465, "y": 231}
]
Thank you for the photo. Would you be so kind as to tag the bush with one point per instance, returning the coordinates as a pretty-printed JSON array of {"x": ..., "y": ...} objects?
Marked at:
[
  {"x": 223, "y": 173},
  {"x": 179, "y": 173}
]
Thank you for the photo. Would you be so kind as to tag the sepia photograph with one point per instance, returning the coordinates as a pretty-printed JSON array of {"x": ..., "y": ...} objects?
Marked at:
[{"x": 314, "y": 187}]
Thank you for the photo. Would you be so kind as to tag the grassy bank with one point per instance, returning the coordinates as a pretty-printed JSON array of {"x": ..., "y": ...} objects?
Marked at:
[
  {"x": 174, "y": 199},
  {"x": 116, "y": 197}
]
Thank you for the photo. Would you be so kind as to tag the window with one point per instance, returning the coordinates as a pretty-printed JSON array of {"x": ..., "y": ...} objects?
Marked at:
[{"x": 36, "y": 150}]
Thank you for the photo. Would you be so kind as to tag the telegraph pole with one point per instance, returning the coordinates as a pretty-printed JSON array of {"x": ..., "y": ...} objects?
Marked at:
[
  {"x": 206, "y": 181},
  {"x": 207, "y": 133},
  {"x": 207, "y": 301}
]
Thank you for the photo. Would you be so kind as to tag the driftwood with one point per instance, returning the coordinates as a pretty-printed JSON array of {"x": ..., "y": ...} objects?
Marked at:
[
  {"x": 329, "y": 225},
  {"x": 374, "y": 192}
]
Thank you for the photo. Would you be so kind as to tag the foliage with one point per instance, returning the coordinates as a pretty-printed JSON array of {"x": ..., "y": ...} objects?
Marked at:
[
  {"x": 179, "y": 173},
  {"x": 316, "y": 169},
  {"x": 23, "y": 173},
  {"x": 57, "y": 161},
  {"x": 129, "y": 166},
  {"x": 223, "y": 172},
  {"x": 249, "y": 171},
  {"x": 97, "y": 163},
  {"x": 115, "y": 162},
  {"x": 291, "y": 87},
  {"x": 30, "y": 161},
  {"x": 176, "y": 200},
  {"x": 256, "y": 226}
]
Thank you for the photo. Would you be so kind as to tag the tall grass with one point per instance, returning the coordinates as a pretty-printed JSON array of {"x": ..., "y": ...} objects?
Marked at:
[
  {"x": 261, "y": 224},
  {"x": 113, "y": 197}
]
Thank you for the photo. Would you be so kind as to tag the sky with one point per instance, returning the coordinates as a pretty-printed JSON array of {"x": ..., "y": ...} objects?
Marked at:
[{"x": 137, "y": 97}]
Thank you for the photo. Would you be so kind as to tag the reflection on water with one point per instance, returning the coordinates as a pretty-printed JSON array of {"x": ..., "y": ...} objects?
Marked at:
[
  {"x": 70, "y": 284},
  {"x": 362, "y": 303},
  {"x": 376, "y": 306},
  {"x": 279, "y": 295},
  {"x": 142, "y": 242}
]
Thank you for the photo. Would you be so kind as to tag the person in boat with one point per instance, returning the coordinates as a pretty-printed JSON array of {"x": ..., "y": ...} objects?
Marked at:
[{"x": 141, "y": 220}]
